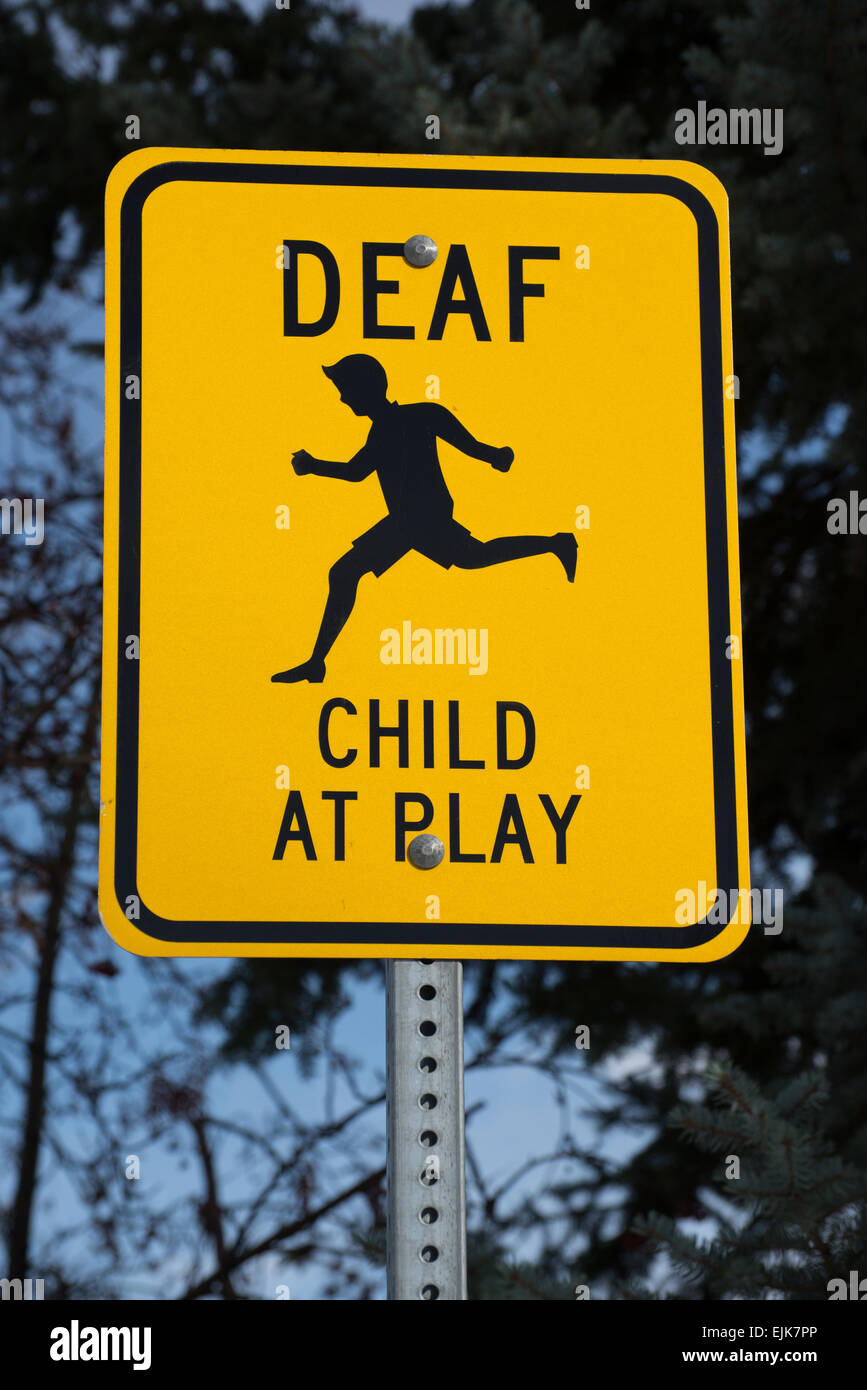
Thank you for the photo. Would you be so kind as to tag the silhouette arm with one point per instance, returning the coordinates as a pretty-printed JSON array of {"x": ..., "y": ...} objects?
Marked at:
[
  {"x": 449, "y": 428},
  {"x": 358, "y": 467}
]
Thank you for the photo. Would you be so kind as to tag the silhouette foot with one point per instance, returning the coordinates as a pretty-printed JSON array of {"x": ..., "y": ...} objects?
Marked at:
[
  {"x": 565, "y": 547},
  {"x": 312, "y": 670}
]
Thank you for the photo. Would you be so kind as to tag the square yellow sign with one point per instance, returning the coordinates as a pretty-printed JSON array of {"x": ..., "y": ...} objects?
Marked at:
[{"x": 420, "y": 550}]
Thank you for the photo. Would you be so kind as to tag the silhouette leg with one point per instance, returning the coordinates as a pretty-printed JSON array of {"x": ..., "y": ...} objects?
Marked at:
[
  {"x": 343, "y": 580},
  {"x": 479, "y": 554}
]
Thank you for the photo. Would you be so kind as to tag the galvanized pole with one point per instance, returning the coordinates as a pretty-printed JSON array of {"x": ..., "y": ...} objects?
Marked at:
[{"x": 425, "y": 1120}]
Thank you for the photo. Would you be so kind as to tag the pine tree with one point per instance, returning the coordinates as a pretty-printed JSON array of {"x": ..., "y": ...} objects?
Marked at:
[
  {"x": 797, "y": 1217},
  {"x": 797, "y": 1208},
  {"x": 538, "y": 77}
]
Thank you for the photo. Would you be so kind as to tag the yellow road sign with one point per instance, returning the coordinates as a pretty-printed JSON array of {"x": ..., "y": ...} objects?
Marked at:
[{"x": 397, "y": 549}]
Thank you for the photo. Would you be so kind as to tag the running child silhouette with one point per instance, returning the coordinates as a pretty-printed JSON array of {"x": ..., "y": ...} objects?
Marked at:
[{"x": 401, "y": 449}]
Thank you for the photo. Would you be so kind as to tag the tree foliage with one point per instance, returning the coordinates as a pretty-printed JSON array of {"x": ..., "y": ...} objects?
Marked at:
[{"x": 753, "y": 1042}]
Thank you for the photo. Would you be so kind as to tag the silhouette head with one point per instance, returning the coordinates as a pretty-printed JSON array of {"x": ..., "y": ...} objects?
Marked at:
[{"x": 361, "y": 381}]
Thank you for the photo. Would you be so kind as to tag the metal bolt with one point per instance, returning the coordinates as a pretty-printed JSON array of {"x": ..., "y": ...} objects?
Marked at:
[
  {"x": 426, "y": 851},
  {"x": 420, "y": 250}
]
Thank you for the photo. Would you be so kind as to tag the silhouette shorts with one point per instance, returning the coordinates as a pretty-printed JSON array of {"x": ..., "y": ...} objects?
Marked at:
[{"x": 444, "y": 542}]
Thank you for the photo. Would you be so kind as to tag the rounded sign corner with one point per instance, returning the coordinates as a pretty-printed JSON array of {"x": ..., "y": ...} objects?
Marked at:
[
  {"x": 704, "y": 181},
  {"x": 729, "y": 940},
  {"x": 130, "y": 167},
  {"x": 123, "y": 930}
]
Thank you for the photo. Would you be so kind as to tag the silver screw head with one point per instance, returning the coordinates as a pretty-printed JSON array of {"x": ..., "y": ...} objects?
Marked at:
[
  {"x": 426, "y": 851},
  {"x": 420, "y": 250}
]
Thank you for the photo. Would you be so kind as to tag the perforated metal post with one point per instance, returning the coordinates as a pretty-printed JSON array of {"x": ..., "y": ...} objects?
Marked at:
[{"x": 425, "y": 1120}]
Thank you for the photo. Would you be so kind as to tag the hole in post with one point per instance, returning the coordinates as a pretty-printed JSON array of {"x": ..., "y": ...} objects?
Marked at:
[
  {"x": 429, "y": 1215},
  {"x": 427, "y": 992},
  {"x": 428, "y": 1064},
  {"x": 427, "y": 1101},
  {"x": 430, "y": 1291},
  {"x": 429, "y": 1254},
  {"x": 428, "y": 1138},
  {"x": 427, "y": 1028}
]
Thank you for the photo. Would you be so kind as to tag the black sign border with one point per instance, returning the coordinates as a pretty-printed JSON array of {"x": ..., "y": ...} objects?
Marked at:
[{"x": 129, "y": 544}]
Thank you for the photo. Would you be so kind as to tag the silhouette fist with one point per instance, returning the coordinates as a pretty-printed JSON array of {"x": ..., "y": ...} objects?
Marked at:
[
  {"x": 302, "y": 462},
  {"x": 504, "y": 460}
]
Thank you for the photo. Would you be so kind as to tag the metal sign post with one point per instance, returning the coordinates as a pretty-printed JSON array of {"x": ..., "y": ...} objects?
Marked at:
[
  {"x": 425, "y": 1121},
  {"x": 539, "y": 522}
]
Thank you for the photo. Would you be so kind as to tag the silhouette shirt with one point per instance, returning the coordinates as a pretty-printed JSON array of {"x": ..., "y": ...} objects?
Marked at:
[{"x": 401, "y": 449}]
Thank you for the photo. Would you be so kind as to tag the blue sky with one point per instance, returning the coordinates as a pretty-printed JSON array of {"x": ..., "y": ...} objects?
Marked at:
[{"x": 387, "y": 11}]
